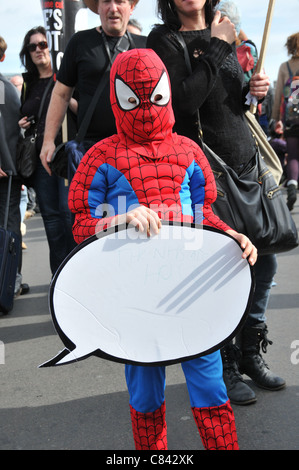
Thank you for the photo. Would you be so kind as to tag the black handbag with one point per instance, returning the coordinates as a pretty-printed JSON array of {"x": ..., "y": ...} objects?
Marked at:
[
  {"x": 67, "y": 155},
  {"x": 251, "y": 202},
  {"x": 27, "y": 156}
]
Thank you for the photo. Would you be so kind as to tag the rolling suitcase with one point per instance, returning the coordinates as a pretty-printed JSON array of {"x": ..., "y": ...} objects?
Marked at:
[{"x": 10, "y": 251}]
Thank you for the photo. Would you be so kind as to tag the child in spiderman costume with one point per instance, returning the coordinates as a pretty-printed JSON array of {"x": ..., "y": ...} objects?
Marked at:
[{"x": 162, "y": 176}]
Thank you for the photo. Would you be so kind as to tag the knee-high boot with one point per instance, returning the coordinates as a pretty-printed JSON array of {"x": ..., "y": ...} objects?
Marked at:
[
  {"x": 216, "y": 426},
  {"x": 149, "y": 429}
]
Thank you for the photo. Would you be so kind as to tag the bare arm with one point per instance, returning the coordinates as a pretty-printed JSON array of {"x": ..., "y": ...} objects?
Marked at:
[{"x": 60, "y": 99}]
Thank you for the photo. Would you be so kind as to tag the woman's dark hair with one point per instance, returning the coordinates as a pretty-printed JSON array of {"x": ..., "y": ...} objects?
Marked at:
[
  {"x": 168, "y": 14},
  {"x": 25, "y": 56}
]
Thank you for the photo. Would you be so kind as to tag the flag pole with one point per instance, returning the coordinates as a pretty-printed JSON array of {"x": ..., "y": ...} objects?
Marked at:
[{"x": 261, "y": 59}]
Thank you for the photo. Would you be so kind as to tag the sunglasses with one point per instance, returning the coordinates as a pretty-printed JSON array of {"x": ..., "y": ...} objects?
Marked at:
[{"x": 42, "y": 45}]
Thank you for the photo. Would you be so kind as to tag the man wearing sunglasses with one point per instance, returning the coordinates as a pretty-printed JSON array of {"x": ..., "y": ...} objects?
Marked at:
[{"x": 83, "y": 65}]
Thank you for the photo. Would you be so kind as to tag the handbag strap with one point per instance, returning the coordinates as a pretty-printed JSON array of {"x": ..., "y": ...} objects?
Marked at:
[
  {"x": 122, "y": 45},
  {"x": 181, "y": 41},
  {"x": 42, "y": 103},
  {"x": 290, "y": 71}
]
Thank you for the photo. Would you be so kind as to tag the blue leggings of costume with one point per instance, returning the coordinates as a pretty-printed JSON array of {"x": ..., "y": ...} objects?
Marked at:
[{"x": 146, "y": 384}]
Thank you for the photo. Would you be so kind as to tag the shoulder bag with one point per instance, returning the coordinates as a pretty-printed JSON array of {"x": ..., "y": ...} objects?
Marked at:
[
  {"x": 27, "y": 157},
  {"x": 267, "y": 152},
  {"x": 67, "y": 156},
  {"x": 251, "y": 202}
]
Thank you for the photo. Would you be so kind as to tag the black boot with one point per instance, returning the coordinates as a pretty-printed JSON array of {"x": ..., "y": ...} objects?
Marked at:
[
  {"x": 292, "y": 196},
  {"x": 251, "y": 363},
  {"x": 238, "y": 391}
]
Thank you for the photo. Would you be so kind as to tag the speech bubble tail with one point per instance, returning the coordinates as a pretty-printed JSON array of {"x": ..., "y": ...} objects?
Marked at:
[{"x": 64, "y": 357}]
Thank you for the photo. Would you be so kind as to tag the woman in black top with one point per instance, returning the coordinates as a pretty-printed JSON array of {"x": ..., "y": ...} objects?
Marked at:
[
  {"x": 51, "y": 191},
  {"x": 217, "y": 88},
  {"x": 216, "y": 85}
]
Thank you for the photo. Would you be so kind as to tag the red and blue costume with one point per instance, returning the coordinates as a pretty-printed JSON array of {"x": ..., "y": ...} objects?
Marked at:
[{"x": 145, "y": 163}]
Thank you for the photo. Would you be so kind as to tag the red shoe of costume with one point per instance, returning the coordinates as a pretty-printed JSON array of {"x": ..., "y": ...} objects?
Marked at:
[
  {"x": 217, "y": 427},
  {"x": 149, "y": 429}
]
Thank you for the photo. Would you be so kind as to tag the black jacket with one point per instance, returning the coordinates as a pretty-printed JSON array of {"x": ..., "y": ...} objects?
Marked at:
[{"x": 9, "y": 127}]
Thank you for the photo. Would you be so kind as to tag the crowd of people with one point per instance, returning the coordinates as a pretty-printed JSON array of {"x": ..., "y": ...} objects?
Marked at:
[{"x": 216, "y": 87}]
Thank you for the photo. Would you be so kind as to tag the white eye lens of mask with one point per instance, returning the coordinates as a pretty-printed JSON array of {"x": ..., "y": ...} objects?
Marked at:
[
  {"x": 161, "y": 94},
  {"x": 126, "y": 97}
]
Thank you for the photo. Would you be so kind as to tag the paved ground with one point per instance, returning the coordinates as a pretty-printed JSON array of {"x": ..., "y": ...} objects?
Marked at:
[{"x": 85, "y": 405}]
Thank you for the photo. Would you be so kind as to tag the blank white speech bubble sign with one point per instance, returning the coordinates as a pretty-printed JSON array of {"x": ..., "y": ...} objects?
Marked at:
[{"x": 157, "y": 300}]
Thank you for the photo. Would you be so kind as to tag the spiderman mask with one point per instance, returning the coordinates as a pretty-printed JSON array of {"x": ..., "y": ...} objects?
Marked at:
[{"x": 141, "y": 100}]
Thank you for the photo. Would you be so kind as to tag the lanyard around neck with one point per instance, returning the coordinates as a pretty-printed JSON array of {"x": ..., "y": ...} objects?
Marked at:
[{"x": 107, "y": 45}]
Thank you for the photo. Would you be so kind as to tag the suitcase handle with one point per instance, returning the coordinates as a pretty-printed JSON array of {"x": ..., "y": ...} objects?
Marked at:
[{"x": 9, "y": 173}]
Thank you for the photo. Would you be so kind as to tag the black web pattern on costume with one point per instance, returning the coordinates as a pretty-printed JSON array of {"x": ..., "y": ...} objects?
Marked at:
[
  {"x": 155, "y": 182},
  {"x": 149, "y": 429},
  {"x": 216, "y": 427}
]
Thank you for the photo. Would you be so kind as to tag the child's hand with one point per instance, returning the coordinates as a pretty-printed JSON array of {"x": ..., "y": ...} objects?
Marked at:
[
  {"x": 250, "y": 250},
  {"x": 143, "y": 218}
]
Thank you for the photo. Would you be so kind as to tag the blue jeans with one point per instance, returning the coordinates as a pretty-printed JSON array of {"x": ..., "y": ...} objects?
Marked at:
[
  {"x": 23, "y": 203},
  {"x": 264, "y": 270},
  {"x": 52, "y": 197}
]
